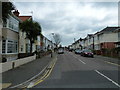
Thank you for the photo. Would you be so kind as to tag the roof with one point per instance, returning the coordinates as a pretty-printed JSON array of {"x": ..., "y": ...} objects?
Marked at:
[
  {"x": 15, "y": 17},
  {"x": 109, "y": 29},
  {"x": 24, "y": 18},
  {"x": 117, "y": 30}
]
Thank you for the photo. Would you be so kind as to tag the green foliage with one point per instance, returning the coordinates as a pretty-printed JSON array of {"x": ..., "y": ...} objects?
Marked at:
[
  {"x": 7, "y": 7},
  {"x": 32, "y": 29}
]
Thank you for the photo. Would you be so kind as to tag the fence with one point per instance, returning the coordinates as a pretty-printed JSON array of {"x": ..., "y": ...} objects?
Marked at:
[{"x": 115, "y": 52}]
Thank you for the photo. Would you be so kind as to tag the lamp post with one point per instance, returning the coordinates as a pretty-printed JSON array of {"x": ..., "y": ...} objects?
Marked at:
[
  {"x": 74, "y": 44},
  {"x": 52, "y": 44}
]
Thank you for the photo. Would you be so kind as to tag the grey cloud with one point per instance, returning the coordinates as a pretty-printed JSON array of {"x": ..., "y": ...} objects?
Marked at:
[
  {"x": 105, "y": 4},
  {"x": 69, "y": 19}
]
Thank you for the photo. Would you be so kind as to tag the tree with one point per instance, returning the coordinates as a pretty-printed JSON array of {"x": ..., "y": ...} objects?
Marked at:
[
  {"x": 7, "y": 7},
  {"x": 32, "y": 29},
  {"x": 57, "y": 39}
]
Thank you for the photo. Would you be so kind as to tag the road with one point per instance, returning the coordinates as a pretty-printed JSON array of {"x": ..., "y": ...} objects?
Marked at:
[{"x": 75, "y": 71}]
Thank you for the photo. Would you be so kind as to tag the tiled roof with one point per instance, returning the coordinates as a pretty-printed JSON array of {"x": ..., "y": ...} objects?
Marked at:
[{"x": 24, "y": 18}]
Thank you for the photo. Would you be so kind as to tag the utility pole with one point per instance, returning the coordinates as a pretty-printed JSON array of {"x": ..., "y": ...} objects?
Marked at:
[
  {"x": 75, "y": 44},
  {"x": 119, "y": 13}
]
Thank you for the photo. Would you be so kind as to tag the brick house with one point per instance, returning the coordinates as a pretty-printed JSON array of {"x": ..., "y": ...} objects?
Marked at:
[
  {"x": 105, "y": 39},
  {"x": 108, "y": 37}
]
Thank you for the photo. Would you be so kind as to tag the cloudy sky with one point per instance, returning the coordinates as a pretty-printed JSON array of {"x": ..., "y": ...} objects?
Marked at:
[{"x": 71, "y": 19}]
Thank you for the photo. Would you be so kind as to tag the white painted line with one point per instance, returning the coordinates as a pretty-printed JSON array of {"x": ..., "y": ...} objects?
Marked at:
[
  {"x": 30, "y": 78},
  {"x": 107, "y": 78},
  {"x": 81, "y": 61},
  {"x": 30, "y": 85}
]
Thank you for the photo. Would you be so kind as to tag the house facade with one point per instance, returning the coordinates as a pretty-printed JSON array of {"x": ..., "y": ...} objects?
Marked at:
[
  {"x": 24, "y": 43},
  {"x": 118, "y": 42},
  {"x": 108, "y": 38},
  {"x": 10, "y": 38},
  {"x": 1, "y": 26}
]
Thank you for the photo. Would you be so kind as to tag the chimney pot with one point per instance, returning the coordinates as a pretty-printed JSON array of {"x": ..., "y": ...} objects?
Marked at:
[{"x": 16, "y": 13}]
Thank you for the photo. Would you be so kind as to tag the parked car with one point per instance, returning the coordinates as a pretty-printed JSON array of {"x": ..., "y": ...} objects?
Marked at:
[
  {"x": 60, "y": 50},
  {"x": 78, "y": 51},
  {"x": 70, "y": 49},
  {"x": 87, "y": 52}
]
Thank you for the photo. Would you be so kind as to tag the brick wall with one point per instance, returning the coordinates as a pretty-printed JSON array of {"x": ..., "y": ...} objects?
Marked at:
[{"x": 108, "y": 45}]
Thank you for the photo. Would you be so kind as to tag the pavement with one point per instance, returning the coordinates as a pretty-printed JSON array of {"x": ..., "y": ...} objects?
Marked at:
[
  {"x": 24, "y": 72},
  {"x": 109, "y": 59},
  {"x": 75, "y": 71}
]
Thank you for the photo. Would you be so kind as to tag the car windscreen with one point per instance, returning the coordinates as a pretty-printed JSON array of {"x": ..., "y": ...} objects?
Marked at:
[{"x": 87, "y": 51}]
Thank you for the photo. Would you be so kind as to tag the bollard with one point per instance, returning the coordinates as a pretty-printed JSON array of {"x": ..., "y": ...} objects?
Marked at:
[
  {"x": 13, "y": 65},
  {"x": 51, "y": 55}
]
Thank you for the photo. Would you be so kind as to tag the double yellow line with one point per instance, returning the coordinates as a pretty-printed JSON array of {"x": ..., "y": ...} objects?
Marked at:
[{"x": 46, "y": 74}]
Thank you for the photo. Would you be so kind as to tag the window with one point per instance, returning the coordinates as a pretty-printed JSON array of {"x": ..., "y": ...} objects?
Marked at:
[
  {"x": 27, "y": 48},
  {"x": 3, "y": 46},
  {"x": 119, "y": 36},
  {"x": 12, "y": 46},
  {"x": 21, "y": 48},
  {"x": 12, "y": 23},
  {"x": 9, "y": 46}
]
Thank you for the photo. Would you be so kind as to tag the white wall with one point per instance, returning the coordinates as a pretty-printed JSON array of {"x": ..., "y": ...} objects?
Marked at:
[
  {"x": 96, "y": 41},
  {"x": 1, "y": 39},
  {"x": 22, "y": 41},
  {"x": 109, "y": 37},
  {"x": 9, "y": 65}
]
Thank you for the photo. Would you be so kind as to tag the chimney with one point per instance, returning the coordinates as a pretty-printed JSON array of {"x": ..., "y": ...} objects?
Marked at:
[{"x": 16, "y": 13}]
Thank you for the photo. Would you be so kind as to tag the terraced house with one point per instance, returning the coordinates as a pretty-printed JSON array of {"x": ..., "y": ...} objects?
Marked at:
[
  {"x": 0, "y": 38},
  {"x": 108, "y": 38},
  {"x": 24, "y": 43},
  {"x": 10, "y": 35}
]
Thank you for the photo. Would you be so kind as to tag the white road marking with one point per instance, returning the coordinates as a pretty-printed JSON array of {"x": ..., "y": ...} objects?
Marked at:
[
  {"x": 30, "y": 78},
  {"x": 107, "y": 78},
  {"x": 79, "y": 59},
  {"x": 30, "y": 85}
]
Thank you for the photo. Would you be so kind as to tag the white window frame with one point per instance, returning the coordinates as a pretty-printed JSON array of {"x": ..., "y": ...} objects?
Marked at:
[
  {"x": 13, "y": 23},
  {"x": 6, "y": 47}
]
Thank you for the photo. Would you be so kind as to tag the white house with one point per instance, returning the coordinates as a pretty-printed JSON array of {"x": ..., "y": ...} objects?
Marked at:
[
  {"x": 10, "y": 34},
  {"x": 1, "y": 38},
  {"x": 107, "y": 37},
  {"x": 24, "y": 43}
]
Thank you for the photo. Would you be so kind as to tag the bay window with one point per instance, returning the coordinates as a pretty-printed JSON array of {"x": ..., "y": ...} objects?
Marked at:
[{"x": 9, "y": 46}]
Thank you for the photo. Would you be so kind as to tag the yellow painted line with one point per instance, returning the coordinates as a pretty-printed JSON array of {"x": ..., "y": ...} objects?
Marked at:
[
  {"x": 38, "y": 82},
  {"x": 112, "y": 63},
  {"x": 52, "y": 66},
  {"x": 50, "y": 71},
  {"x": 43, "y": 76},
  {"x": 5, "y": 85}
]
